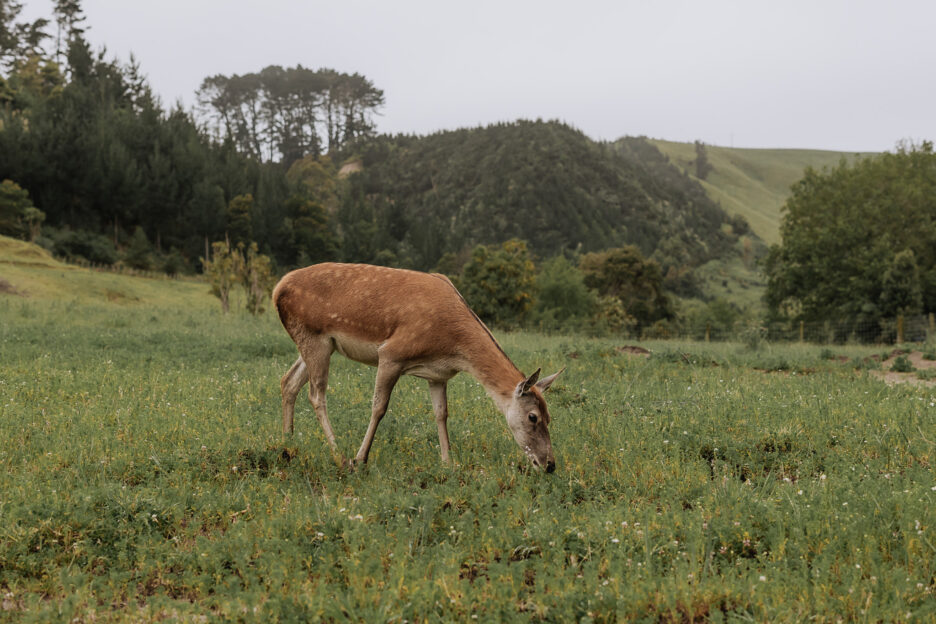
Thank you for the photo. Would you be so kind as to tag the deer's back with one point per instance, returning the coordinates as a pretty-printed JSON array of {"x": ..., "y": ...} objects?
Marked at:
[{"x": 371, "y": 305}]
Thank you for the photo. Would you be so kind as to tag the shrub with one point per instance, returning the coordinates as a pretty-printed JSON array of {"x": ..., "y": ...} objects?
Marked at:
[
  {"x": 81, "y": 245},
  {"x": 902, "y": 365}
]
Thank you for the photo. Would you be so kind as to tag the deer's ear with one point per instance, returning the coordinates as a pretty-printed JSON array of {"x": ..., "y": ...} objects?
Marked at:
[
  {"x": 524, "y": 386},
  {"x": 544, "y": 383}
]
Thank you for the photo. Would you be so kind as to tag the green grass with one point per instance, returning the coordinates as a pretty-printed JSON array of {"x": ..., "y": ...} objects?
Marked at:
[
  {"x": 143, "y": 476},
  {"x": 752, "y": 182},
  {"x": 32, "y": 272}
]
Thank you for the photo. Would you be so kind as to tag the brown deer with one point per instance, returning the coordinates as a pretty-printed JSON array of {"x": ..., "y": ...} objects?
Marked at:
[{"x": 404, "y": 323}]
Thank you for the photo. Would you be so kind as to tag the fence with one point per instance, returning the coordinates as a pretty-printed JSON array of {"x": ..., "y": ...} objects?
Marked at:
[{"x": 919, "y": 328}]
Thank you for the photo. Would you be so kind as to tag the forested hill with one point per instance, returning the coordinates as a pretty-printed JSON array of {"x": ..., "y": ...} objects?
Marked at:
[{"x": 543, "y": 182}]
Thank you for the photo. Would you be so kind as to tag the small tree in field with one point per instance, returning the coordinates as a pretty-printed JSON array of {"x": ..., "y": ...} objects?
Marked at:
[
  {"x": 222, "y": 271},
  {"x": 256, "y": 275}
]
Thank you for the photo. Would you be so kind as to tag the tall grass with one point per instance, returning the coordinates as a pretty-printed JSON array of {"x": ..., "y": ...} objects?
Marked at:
[{"x": 143, "y": 476}]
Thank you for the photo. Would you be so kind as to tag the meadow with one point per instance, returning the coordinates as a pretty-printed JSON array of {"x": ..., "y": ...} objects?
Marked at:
[{"x": 144, "y": 476}]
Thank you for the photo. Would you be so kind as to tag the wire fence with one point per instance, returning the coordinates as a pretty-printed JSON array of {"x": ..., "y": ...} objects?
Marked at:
[
  {"x": 918, "y": 328},
  {"x": 122, "y": 269}
]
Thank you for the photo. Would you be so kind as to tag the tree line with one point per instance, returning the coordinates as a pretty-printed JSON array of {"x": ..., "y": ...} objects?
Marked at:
[
  {"x": 858, "y": 243},
  {"x": 286, "y": 114}
]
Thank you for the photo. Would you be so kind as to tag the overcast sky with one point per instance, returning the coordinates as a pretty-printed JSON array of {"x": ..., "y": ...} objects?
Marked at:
[{"x": 842, "y": 75}]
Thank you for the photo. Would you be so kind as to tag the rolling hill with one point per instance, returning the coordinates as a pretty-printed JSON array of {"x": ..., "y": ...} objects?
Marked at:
[
  {"x": 753, "y": 183},
  {"x": 544, "y": 182}
]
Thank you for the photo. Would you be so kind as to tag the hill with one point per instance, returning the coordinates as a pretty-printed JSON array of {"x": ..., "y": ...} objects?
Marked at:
[
  {"x": 28, "y": 271},
  {"x": 544, "y": 182},
  {"x": 753, "y": 183}
]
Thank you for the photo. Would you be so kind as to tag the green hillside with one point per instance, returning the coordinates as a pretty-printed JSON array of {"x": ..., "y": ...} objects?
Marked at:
[
  {"x": 27, "y": 271},
  {"x": 417, "y": 198},
  {"x": 753, "y": 183}
]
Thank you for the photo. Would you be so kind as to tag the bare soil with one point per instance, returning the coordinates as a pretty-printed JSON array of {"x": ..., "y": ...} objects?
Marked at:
[
  {"x": 6, "y": 288},
  {"x": 633, "y": 350},
  {"x": 891, "y": 377}
]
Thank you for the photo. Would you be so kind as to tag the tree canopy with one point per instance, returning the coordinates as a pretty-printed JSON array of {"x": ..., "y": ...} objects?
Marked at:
[
  {"x": 286, "y": 114},
  {"x": 858, "y": 241}
]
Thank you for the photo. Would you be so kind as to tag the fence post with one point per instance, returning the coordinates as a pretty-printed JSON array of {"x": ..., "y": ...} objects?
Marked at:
[
  {"x": 802, "y": 331},
  {"x": 900, "y": 329},
  {"x": 708, "y": 332}
]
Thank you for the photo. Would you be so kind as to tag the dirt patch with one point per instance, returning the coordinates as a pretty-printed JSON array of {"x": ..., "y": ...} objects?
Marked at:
[
  {"x": 633, "y": 350},
  {"x": 115, "y": 296},
  {"x": 916, "y": 359},
  {"x": 6, "y": 288},
  {"x": 350, "y": 167}
]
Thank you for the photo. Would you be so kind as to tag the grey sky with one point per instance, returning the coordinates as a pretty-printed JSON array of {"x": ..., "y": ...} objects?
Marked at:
[{"x": 842, "y": 75}]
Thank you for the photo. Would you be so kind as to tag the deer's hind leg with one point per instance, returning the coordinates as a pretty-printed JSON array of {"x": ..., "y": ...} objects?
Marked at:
[
  {"x": 316, "y": 352},
  {"x": 290, "y": 385}
]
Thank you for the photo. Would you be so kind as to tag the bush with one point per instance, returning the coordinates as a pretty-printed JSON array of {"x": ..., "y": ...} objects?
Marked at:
[
  {"x": 902, "y": 365},
  {"x": 499, "y": 282},
  {"x": 76, "y": 245},
  {"x": 564, "y": 302}
]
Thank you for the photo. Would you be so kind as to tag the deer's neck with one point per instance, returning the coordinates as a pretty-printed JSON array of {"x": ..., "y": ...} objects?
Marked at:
[{"x": 497, "y": 374}]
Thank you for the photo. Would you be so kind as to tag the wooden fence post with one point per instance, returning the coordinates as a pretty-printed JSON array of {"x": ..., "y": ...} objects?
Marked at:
[
  {"x": 900, "y": 329},
  {"x": 708, "y": 332}
]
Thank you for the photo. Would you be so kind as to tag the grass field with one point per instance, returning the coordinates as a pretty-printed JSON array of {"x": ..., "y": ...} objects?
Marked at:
[{"x": 143, "y": 476}]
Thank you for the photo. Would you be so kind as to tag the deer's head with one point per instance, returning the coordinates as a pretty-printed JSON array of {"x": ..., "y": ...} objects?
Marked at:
[{"x": 528, "y": 419}]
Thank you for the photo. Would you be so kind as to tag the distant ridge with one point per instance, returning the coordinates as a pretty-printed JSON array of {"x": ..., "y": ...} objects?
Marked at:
[{"x": 753, "y": 183}]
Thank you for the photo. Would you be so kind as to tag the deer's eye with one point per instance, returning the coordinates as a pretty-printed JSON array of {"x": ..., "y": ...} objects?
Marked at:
[{"x": 532, "y": 417}]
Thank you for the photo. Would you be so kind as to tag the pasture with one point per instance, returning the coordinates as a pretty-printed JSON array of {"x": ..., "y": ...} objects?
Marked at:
[{"x": 143, "y": 476}]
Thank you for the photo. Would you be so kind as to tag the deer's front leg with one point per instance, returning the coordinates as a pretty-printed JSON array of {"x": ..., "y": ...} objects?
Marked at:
[
  {"x": 387, "y": 375},
  {"x": 437, "y": 390}
]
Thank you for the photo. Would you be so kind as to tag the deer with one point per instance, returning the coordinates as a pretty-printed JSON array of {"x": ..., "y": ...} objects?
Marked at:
[{"x": 404, "y": 323}]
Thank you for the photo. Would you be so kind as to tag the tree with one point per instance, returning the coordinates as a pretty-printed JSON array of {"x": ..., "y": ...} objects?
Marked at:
[
  {"x": 240, "y": 222},
  {"x": 308, "y": 232},
  {"x": 14, "y": 206},
  {"x": 624, "y": 274},
  {"x": 702, "y": 165},
  {"x": 499, "y": 282},
  {"x": 901, "y": 293},
  {"x": 850, "y": 238},
  {"x": 289, "y": 113},
  {"x": 139, "y": 253},
  {"x": 68, "y": 16},
  {"x": 223, "y": 270},
  {"x": 563, "y": 302},
  {"x": 33, "y": 218},
  {"x": 256, "y": 276}
]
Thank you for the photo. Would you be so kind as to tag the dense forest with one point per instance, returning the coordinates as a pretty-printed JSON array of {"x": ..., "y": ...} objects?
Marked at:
[{"x": 543, "y": 182}]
